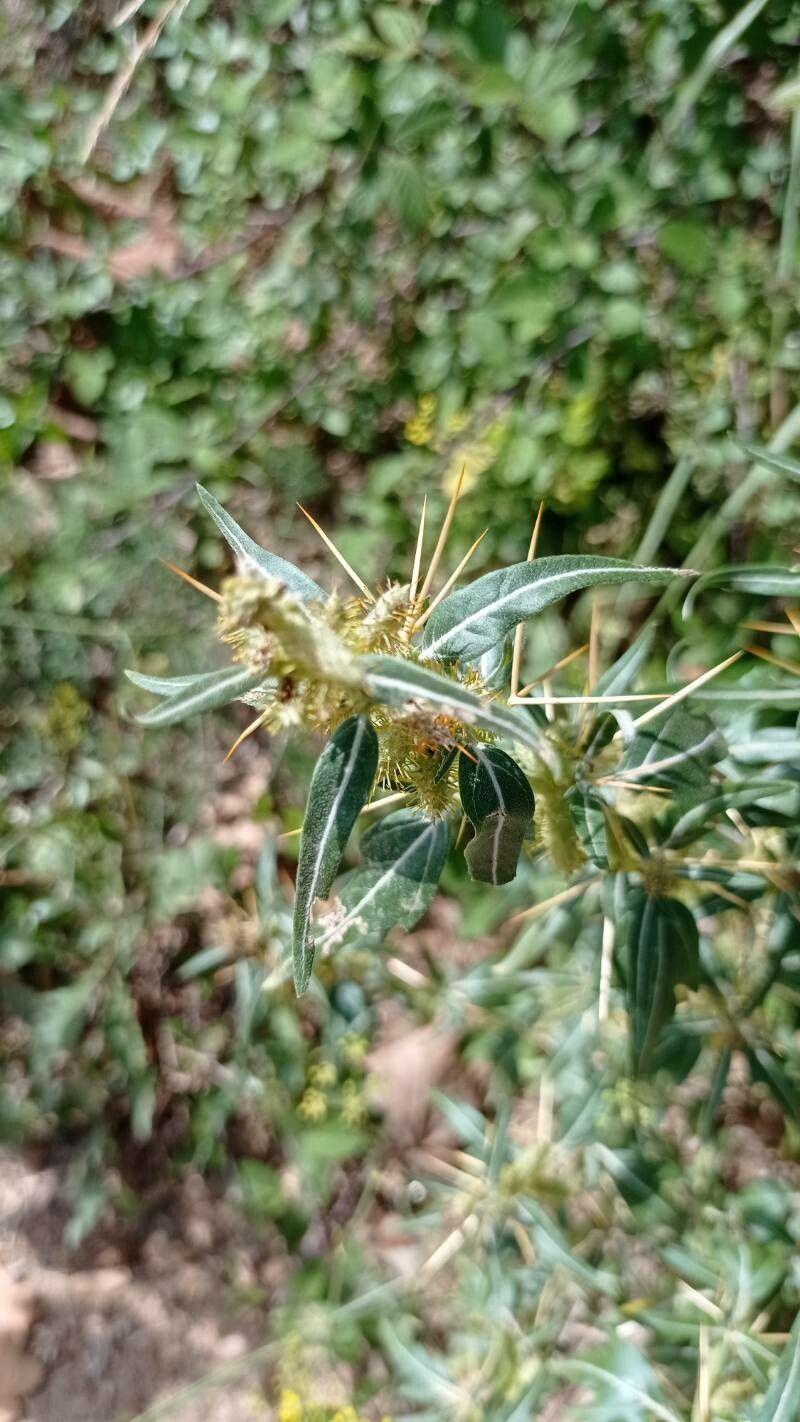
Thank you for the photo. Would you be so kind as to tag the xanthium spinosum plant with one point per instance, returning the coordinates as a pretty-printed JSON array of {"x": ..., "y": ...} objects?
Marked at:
[{"x": 419, "y": 697}]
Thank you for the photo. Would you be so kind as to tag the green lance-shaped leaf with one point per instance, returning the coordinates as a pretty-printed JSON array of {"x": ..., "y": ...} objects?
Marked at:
[
  {"x": 782, "y": 1399},
  {"x": 763, "y": 578},
  {"x": 340, "y": 787},
  {"x": 499, "y": 801},
  {"x": 205, "y": 692},
  {"x": 250, "y": 552},
  {"x": 473, "y": 620},
  {"x": 719, "y": 799},
  {"x": 674, "y": 751},
  {"x": 403, "y": 859},
  {"x": 395, "y": 682},
  {"x": 589, "y": 818},
  {"x": 781, "y": 463},
  {"x": 663, "y": 950}
]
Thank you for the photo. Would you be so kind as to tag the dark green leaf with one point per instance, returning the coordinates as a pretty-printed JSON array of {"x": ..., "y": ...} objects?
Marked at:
[
  {"x": 663, "y": 950},
  {"x": 395, "y": 682},
  {"x": 589, "y": 818},
  {"x": 499, "y": 801},
  {"x": 675, "y": 751},
  {"x": 340, "y": 787}
]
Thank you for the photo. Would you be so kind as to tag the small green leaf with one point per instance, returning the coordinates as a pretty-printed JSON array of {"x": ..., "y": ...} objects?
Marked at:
[
  {"x": 589, "y": 819},
  {"x": 203, "y": 693},
  {"x": 764, "y": 578},
  {"x": 663, "y": 950},
  {"x": 499, "y": 801},
  {"x": 340, "y": 787},
  {"x": 474, "y": 619},
  {"x": 403, "y": 859},
  {"x": 247, "y": 549},
  {"x": 781, "y": 463},
  {"x": 739, "y": 796}
]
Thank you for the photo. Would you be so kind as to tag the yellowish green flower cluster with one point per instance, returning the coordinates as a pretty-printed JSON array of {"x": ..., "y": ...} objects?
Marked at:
[
  {"x": 325, "y": 1094},
  {"x": 292, "y": 1408}
]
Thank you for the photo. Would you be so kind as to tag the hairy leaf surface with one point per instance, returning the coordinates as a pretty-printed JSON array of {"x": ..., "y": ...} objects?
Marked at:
[
  {"x": 499, "y": 801},
  {"x": 403, "y": 859},
  {"x": 246, "y": 548},
  {"x": 202, "y": 693},
  {"x": 395, "y": 682},
  {"x": 473, "y": 620},
  {"x": 340, "y": 787}
]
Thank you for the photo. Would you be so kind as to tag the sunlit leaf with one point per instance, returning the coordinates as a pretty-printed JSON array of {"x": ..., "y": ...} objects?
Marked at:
[
  {"x": 395, "y": 682},
  {"x": 206, "y": 693},
  {"x": 246, "y": 549},
  {"x": 473, "y": 620}
]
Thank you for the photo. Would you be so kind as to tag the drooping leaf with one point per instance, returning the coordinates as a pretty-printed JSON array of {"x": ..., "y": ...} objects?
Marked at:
[
  {"x": 499, "y": 802},
  {"x": 589, "y": 819},
  {"x": 340, "y": 787},
  {"x": 771, "y": 745},
  {"x": 676, "y": 752},
  {"x": 473, "y": 620},
  {"x": 204, "y": 693},
  {"x": 395, "y": 682},
  {"x": 403, "y": 859},
  {"x": 782, "y": 1399},
  {"x": 764, "y": 578},
  {"x": 663, "y": 950},
  {"x": 246, "y": 549}
]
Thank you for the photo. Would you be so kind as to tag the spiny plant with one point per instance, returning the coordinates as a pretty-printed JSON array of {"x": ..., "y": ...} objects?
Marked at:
[{"x": 419, "y": 696}]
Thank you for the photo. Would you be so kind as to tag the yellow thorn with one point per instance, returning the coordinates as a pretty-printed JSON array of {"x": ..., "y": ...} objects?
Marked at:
[
  {"x": 563, "y": 898},
  {"x": 442, "y": 539},
  {"x": 519, "y": 631},
  {"x": 412, "y": 596},
  {"x": 779, "y": 628},
  {"x": 585, "y": 700},
  {"x": 783, "y": 662},
  {"x": 373, "y": 805},
  {"x": 558, "y": 666},
  {"x": 793, "y": 614},
  {"x": 594, "y": 633},
  {"x": 254, "y": 725},
  {"x": 462, "y": 750},
  {"x": 193, "y": 582},
  {"x": 340, "y": 558},
  {"x": 461, "y": 829},
  {"x": 420, "y": 622},
  {"x": 685, "y": 691}
]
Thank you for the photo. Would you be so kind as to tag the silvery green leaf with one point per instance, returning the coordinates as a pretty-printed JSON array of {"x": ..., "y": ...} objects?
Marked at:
[
  {"x": 663, "y": 950},
  {"x": 589, "y": 818},
  {"x": 782, "y": 1400},
  {"x": 403, "y": 859},
  {"x": 763, "y": 578},
  {"x": 473, "y": 620},
  {"x": 622, "y": 1381},
  {"x": 340, "y": 787},
  {"x": 720, "y": 799},
  {"x": 781, "y": 463},
  {"x": 169, "y": 685},
  {"x": 214, "y": 689},
  {"x": 674, "y": 751},
  {"x": 774, "y": 745},
  {"x": 395, "y": 682},
  {"x": 245, "y": 548},
  {"x": 499, "y": 802}
]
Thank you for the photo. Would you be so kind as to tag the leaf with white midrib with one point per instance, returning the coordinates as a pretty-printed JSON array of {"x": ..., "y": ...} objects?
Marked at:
[
  {"x": 392, "y": 891},
  {"x": 248, "y": 550},
  {"x": 340, "y": 787},
  {"x": 471, "y": 621},
  {"x": 205, "y": 693},
  {"x": 497, "y": 798},
  {"x": 395, "y": 682}
]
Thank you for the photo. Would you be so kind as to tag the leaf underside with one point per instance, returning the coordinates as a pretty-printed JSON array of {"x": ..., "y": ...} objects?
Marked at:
[{"x": 498, "y": 800}]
